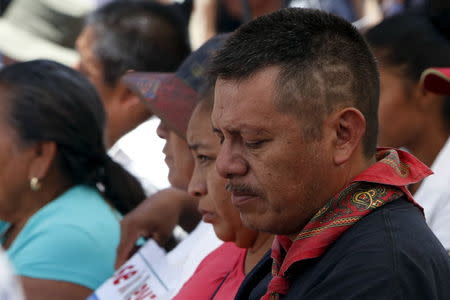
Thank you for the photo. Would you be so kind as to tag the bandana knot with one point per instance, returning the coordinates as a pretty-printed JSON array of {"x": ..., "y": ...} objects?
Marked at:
[{"x": 279, "y": 285}]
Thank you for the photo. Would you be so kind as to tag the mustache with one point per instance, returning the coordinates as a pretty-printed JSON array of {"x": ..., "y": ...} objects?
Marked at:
[{"x": 243, "y": 189}]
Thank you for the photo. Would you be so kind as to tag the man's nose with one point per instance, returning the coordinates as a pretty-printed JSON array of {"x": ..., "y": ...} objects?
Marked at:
[{"x": 229, "y": 162}]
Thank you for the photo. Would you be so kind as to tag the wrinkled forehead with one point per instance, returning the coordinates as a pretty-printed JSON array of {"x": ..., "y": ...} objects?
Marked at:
[{"x": 249, "y": 98}]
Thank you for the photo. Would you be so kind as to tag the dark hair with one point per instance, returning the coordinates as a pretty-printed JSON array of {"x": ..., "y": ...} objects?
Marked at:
[
  {"x": 324, "y": 63},
  {"x": 413, "y": 43},
  {"x": 47, "y": 101},
  {"x": 137, "y": 35}
]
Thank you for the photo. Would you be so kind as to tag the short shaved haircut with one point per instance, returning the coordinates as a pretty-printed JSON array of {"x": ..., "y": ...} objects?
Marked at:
[{"x": 324, "y": 64}]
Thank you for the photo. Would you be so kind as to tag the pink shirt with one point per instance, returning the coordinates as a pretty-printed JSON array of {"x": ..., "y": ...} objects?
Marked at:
[{"x": 218, "y": 276}]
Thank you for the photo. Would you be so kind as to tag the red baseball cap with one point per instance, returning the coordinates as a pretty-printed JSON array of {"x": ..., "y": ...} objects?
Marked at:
[{"x": 437, "y": 80}]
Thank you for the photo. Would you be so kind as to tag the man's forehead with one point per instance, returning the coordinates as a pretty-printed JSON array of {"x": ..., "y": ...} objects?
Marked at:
[
  {"x": 265, "y": 75},
  {"x": 229, "y": 94},
  {"x": 240, "y": 121},
  {"x": 239, "y": 101},
  {"x": 243, "y": 127}
]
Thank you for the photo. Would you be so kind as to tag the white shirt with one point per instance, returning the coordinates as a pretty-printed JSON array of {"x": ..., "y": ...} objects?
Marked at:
[
  {"x": 163, "y": 274},
  {"x": 140, "y": 153},
  {"x": 10, "y": 288},
  {"x": 187, "y": 255},
  {"x": 434, "y": 196}
]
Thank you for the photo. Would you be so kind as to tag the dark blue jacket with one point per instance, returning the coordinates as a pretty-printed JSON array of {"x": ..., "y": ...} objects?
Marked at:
[{"x": 389, "y": 254}]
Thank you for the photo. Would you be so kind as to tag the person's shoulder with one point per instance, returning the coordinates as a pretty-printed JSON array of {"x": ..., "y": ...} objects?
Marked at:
[
  {"x": 227, "y": 248},
  {"x": 405, "y": 224},
  {"x": 392, "y": 233},
  {"x": 81, "y": 197},
  {"x": 395, "y": 222},
  {"x": 79, "y": 220},
  {"x": 392, "y": 248},
  {"x": 66, "y": 253},
  {"x": 80, "y": 206},
  {"x": 69, "y": 243},
  {"x": 215, "y": 259}
]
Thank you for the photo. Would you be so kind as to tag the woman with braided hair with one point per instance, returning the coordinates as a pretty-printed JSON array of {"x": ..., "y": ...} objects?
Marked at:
[{"x": 61, "y": 196}]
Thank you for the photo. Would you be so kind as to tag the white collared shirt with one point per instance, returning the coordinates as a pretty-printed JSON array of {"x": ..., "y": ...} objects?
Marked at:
[{"x": 434, "y": 196}]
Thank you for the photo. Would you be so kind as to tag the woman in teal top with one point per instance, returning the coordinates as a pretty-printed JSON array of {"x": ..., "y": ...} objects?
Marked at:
[{"x": 61, "y": 196}]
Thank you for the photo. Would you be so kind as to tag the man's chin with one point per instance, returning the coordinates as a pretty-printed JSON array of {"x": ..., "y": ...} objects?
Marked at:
[
  {"x": 256, "y": 222},
  {"x": 266, "y": 224}
]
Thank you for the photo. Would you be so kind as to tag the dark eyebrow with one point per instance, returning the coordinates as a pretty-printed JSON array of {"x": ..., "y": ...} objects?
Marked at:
[
  {"x": 233, "y": 131},
  {"x": 254, "y": 130},
  {"x": 244, "y": 129},
  {"x": 195, "y": 147}
]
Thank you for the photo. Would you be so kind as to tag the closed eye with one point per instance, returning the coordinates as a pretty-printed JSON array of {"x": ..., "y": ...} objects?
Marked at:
[
  {"x": 204, "y": 159},
  {"x": 255, "y": 144}
]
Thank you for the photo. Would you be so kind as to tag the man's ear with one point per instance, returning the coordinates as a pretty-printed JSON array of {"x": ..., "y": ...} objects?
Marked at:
[
  {"x": 348, "y": 126},
  {"x": 126, "y": 97},
  {"x": 425, "y": 100},
  {"x": 44, "y": 155}
]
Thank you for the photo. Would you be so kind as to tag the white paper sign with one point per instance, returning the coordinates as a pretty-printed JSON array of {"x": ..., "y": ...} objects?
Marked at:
[{"x": 143, "y": 277}]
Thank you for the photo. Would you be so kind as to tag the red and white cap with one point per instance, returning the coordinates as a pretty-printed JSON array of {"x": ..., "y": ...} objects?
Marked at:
[{"x": 437, "y": 80}]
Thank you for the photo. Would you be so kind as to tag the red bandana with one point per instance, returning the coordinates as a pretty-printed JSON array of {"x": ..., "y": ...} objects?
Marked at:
[{"x": 383, "y": 182}]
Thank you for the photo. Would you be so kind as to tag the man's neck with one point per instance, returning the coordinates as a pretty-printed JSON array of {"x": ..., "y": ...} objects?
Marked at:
[
  {"x": 254, "y": 254},
  {"x": 345, "y": 175}
]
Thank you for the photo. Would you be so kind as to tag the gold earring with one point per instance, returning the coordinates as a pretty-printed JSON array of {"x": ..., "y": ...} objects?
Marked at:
[{"x": 35, "y": 185}]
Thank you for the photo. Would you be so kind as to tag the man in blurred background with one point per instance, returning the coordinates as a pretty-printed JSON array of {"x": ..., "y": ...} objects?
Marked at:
[
  {"x": 122, "y": 36},
  {"x": 142, "y": 36}
]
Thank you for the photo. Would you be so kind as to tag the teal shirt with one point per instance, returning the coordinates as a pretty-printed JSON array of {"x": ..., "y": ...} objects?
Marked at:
[{"x": 73, "y": 238}]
